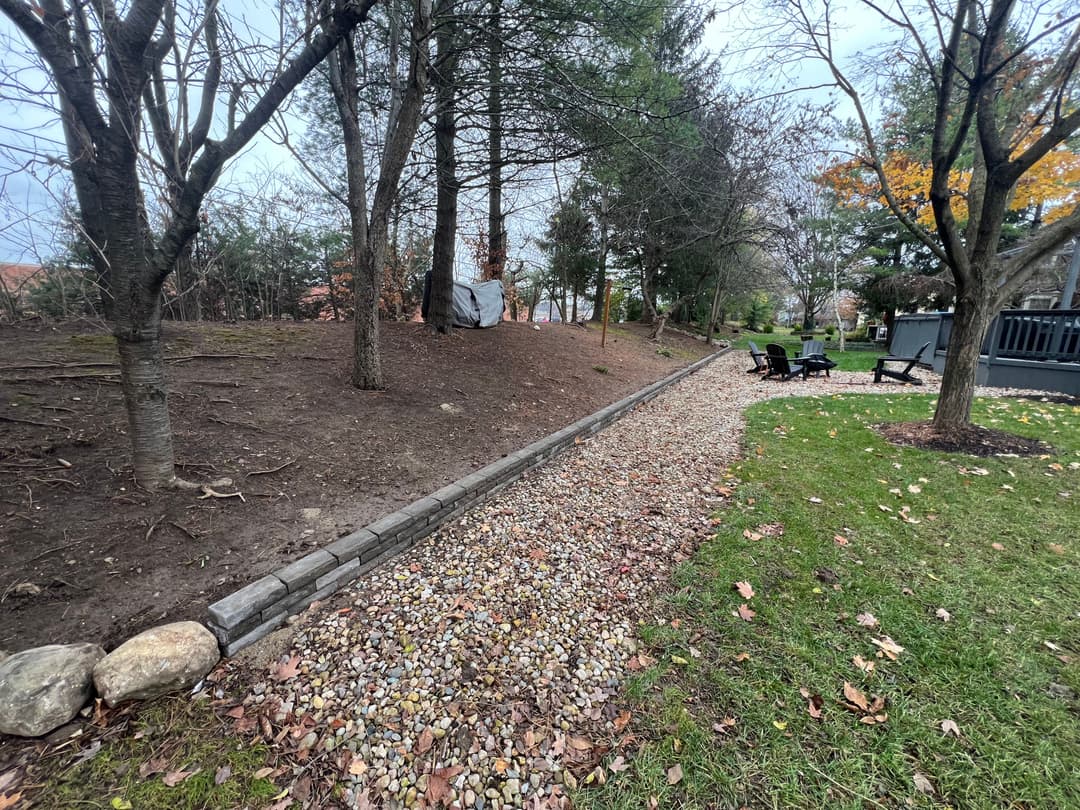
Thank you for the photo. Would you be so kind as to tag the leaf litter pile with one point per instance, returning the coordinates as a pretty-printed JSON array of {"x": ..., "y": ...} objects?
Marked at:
[{"x": 484, "y": 668}]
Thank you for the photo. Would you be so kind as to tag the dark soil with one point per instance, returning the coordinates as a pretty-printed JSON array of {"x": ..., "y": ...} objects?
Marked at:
[
  {"x": 89, "y": 556},
  {"x": 972, "y": 440}
]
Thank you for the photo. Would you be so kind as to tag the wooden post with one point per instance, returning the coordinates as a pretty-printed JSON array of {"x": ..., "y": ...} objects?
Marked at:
[{"x": 607, "y": 310}]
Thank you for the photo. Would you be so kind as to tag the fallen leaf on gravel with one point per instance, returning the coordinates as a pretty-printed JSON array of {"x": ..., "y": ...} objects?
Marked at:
[
  {"x": 424, "y": 743},
  {"x": 867, "y": 619},
  {"x": 578, "y": 743},
  {"x": 888, "y": 646},
  {"x": 840, "y": 540},
  {"x": 501, "y": 765},
  {"x": 943, "y": 614},
  {"x": 358, "y": 767},
  {"x": 537, "y": 554},
  {"x": 950, "y": 727},
  {"x": 746, "y": 614},
  {"x": 174, "y": 778},
  {"x": 856, "y": 697},
  {"x": 922, "y": 784},
  {"x": 749, "y": 535},
  {"x": 618, "y": 765},
  {"x": 745, "y": 590},
  {"x": 287, "y": 670},
  {"x": 674, "y": 775}
]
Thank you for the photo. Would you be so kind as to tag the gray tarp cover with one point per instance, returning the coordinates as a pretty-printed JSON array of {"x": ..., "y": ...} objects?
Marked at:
[{"x": 478, "y": 305}]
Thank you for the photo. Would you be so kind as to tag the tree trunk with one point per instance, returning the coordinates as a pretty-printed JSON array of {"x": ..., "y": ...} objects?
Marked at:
[
  {"x": 142, "y": 374},
  {"x": 496, "y": 219},
  {"x": 440, "y": 312},
  {"x": 970, "y": 322},
  {"x": 601, "y": 259}
]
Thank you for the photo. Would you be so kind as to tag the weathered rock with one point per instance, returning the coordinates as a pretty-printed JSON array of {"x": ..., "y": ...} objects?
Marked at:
[
  {"x": 158, "y": 661},
  {"x": 43, "y": 688}
]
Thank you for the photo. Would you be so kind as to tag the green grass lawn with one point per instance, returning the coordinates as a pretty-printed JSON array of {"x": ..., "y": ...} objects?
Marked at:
[
  {"x": 855, "y": 357},
  {"x": 970, "y": 565}
]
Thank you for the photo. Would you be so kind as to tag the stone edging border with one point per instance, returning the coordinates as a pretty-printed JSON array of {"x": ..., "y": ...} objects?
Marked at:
[{"x": 246, "y": 615}]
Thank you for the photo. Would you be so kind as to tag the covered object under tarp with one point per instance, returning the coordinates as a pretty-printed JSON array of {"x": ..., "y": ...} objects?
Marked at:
[{"x": 475, "y": 305}]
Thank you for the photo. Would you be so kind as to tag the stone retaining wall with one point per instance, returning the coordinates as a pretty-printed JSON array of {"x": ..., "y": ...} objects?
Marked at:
[{"x": 248, "y": 614}]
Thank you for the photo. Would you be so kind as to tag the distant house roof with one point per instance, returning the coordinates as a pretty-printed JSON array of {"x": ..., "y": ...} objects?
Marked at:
[{"x": 16, "y": 275}]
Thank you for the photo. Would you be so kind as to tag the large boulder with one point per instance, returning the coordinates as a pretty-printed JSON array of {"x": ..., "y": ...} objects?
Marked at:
[
  {"x": 43, "y": 688},
  {"x": 158, "y": 661}
]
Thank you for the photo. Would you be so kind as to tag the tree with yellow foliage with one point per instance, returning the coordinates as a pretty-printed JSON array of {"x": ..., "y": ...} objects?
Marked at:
[{"x": 1003, "y": 79}]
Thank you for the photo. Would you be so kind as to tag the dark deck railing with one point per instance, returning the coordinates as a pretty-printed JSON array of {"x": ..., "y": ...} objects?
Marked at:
[{"x": 1035, "y": 334}]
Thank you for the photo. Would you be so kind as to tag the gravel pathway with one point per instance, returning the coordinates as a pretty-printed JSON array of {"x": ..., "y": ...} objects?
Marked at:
[{"x": 479, "y": 669}]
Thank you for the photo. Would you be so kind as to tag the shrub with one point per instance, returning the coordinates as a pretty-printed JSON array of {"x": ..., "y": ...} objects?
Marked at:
[
  {"x": 768, "y": 329},
  {"x": 830, "y": 330}
]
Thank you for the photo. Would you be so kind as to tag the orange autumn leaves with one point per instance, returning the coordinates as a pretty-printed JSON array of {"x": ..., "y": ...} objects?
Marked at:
[{"x": 1053, "y": 183}]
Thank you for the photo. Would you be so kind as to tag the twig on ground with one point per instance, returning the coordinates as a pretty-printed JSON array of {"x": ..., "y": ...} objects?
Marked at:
[
  {"x": 97, "y": 364},
  {"x": 49, "y": 551},
  {"x": 213, "y": 493},
  {"x": 38, "y": 424},
  {"x": 55, "y": 481},
  {"x": 224, "y": 383},
  {"x": 272, "y": 469},
  {"x": 153, "y": 526},
  {"x": 184, "y": 529},
  {"x": 186, "y": 357}
]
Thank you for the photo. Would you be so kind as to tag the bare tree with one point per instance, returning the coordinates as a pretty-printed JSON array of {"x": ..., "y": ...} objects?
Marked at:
[
  {"x": 109, "y": 70},
  {"x": 970, "y": 52}
]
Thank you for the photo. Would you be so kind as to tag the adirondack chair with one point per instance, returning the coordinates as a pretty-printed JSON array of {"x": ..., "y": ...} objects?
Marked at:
[
  {"x": 758, "y": 357},
  {"x": 903, "y": 376},
  {"x": 779, "y": 364},
  {"x": 813, "y": 357}
]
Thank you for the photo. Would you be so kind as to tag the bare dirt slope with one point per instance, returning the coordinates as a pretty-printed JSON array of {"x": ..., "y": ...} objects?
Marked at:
[{"x": 88, "y": 555}]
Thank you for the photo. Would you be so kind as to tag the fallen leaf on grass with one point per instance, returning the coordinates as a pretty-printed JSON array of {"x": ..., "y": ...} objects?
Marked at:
[
  {"x": 943, "y": 614},
  {"x": 1057, "y": 548},
  {"x": 867, "y": 619},
  {"x": 621, "y": 721},
  {"x": 922, "y": 784},
  {"x": 746, "y": 614},
  {"x": 262, "y": 773},
  {"x": 724, "y": 725},
  {"x": 780, "y": 724},
  {"x": 743, "y": 656},
  {"x": 674, "y": 775},
  {"x": 914, "y": 489},
  {"x": 116, "y": 804},
  {"x": 745, "y": 590},
  {"x": 855, "y": 697},
  {"x": 997, "y": 546},
  {"x": 153, "y": 766},
  {"x": 950, "y": 727},
  {"x": 840, "y": 540},
  {"x": 888, "y": 646},
  {"x": 771, "y": 529},
  {"x": 221, "y": 776},
  {"x": 906, "y": 516},
  {"x": 815, "y": 500},
  {"x": 578, "y": 743},
  {"x": 678, "y": 659},
  {"x": 749, "y": 535},
  {"x": 1052, "y": 646},
  {"x": 618, "y": 765},
  {"x": 865, "y": 666},
  {"x": 12, "y": 800},
  {"x": 174, "y": 778},
  {"x": 813, "y": 703},
  {"x": 884, "y": 508}
]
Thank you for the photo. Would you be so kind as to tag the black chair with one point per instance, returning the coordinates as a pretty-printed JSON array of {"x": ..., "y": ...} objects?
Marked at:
[
  {"x": 904, "y": 376},
  {"x": 779, "y": 364},
  {"x": 813, "y": 357},
  {"x": 758, "y": 356}
]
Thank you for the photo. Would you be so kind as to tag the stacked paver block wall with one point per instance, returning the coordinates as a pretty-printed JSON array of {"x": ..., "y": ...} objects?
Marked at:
[{"x": 248, "y": 614}]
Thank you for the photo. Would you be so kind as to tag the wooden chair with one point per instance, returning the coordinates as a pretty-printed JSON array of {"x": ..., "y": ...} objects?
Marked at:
[
  {"x": 758, "y": 356},
  {"x": 904, "y": 376},
  {"x": 779, "y": 364}
]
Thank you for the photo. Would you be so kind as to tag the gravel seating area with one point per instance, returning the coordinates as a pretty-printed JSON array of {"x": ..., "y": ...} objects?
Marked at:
[{"x": 481, "y": 668}]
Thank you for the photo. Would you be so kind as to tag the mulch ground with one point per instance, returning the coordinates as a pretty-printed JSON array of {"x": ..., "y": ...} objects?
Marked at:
[
  {"x": 89, "y": 556},
  {"x": 972, "y": 440}
]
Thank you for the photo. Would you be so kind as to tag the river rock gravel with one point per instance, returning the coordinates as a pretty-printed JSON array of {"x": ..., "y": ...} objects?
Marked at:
[{"x": 482, "y": 668}]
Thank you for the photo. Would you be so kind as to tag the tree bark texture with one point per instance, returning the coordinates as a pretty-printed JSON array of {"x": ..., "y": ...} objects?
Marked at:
[
  {"x": 971, "y": 319},
  {"x": 496, "y": 219},
  {"x": 440, "y": 313}
]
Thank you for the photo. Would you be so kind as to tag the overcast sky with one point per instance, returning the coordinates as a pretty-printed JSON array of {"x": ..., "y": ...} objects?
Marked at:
[{"x": 29, "y": 204}]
